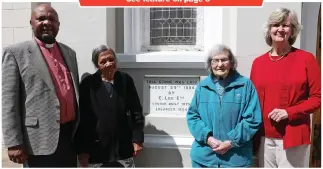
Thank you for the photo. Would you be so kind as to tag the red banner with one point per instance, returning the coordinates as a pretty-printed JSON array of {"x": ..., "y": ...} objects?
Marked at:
[{"x": 174, "y": 3}]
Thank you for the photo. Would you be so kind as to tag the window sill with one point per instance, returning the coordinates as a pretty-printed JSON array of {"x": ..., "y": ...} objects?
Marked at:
[{"x": 164, "y": 59}]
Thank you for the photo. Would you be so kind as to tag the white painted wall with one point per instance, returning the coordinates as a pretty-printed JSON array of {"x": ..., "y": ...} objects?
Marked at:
[
  {"x": 309, "y": 21},
  {"x": 248, "y": 40},
  {"x": 242, "y": 31},
  {"x": 15, "y": 22},
  {"x": 84, "y": 29}
]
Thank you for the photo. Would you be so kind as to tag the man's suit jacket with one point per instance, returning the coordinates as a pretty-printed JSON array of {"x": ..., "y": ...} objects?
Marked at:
[{"x": 30, "y": 107}]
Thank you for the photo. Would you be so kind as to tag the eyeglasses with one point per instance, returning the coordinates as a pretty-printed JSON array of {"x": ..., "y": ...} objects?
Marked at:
[{"x": 216, "y": 61}]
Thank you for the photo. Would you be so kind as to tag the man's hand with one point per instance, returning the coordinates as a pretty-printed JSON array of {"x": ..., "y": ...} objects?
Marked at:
[
  {"x": 223, "y": 148},
  {"x": 17, "y": 154},
  {"x": 84, "y": 159},
  {"x": 137, "y": 148},
  {"x": 212, "y": 142},
  {"x": 278, "y": 115}
]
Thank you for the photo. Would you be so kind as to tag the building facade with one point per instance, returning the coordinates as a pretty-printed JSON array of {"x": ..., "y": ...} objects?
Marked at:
[{"x": 160, "y": 44}]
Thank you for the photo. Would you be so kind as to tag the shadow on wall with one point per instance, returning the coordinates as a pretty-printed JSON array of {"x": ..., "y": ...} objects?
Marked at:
[{"x": 159, "y": 153}]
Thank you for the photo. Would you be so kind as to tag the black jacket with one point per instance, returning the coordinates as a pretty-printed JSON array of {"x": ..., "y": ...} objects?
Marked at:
[{"x": 105, "y": 131}]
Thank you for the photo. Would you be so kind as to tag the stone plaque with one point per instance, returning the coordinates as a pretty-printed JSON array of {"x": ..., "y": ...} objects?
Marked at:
[{"x": 165, "y": 94}]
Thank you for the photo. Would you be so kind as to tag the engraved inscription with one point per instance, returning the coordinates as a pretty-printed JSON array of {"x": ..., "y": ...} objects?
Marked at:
[{"x": 168, "y": 94}]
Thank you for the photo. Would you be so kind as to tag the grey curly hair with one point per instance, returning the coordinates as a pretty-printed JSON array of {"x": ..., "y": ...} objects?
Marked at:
[{"x": 220, "y": 49}]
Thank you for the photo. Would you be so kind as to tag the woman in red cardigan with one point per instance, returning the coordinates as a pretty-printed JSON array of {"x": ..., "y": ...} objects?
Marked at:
[{"x": 288, "y": 82}]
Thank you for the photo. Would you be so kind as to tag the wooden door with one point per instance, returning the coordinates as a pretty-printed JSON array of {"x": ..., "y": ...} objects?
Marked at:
[{"x": 315, "y": 157}]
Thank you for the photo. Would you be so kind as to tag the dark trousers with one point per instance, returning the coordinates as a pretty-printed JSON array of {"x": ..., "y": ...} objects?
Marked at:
[{"x": 64, "y": 156}]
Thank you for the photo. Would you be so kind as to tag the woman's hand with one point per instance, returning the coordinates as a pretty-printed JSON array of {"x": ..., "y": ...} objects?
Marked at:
[
  {"x": 109, "y": 65},
  {"x": 223, "y": 148},
  {"x": 84, "y": 159},
  {"x": 137, "y": 148},
  {"x": 278, "y": 115},
  {"x": 213, "y": 142},
  {"x": 109, "y": 70}
]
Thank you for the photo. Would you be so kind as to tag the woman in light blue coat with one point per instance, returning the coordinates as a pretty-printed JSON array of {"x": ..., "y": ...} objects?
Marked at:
[{"x": 224, "y": 114}]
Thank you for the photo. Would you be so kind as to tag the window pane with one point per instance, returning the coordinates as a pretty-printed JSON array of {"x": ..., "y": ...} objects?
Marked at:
[{"x": 172, "y": 26}]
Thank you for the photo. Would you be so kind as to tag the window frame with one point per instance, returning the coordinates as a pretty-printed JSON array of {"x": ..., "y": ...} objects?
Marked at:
[
  {"x": 134, "y": 56},
  {"x": 145, "y": 47}
]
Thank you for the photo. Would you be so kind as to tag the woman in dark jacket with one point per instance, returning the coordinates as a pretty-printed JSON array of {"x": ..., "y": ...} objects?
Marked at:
[{"x": 111, "y": 121}]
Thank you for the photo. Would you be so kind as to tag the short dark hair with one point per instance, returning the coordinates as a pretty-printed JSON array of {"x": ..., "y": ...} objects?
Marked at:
[{"x": 97, "y": 51}]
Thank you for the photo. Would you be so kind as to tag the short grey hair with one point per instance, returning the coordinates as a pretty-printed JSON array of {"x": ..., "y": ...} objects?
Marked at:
[
  {"x": 279, "y": 16},
  {"x": 98, "y": 50},
  {"x": 220, "y": 49}
]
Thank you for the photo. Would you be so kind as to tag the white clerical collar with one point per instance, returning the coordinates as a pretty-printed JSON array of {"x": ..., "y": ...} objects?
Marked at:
[{"x": 48, "y": 46}]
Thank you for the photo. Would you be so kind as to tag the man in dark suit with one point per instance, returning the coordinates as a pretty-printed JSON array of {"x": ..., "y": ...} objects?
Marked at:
[{"x": 40, "y": 96}]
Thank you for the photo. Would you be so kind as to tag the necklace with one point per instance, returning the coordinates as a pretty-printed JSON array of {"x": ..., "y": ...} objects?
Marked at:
[{"x": 282, "y": 56}]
